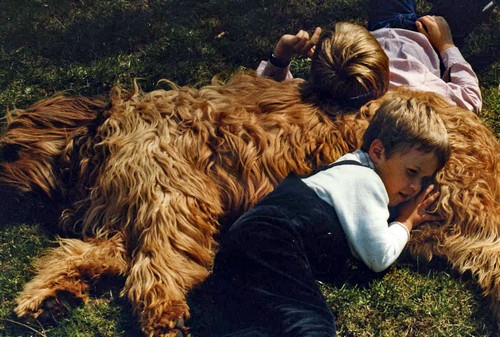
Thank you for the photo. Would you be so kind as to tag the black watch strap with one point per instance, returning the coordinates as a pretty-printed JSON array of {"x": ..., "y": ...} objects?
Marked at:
[{"x": 277, "y": 62}]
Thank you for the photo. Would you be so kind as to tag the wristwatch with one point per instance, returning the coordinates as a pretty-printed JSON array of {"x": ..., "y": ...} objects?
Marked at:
[{"x": 277, "y": 62}]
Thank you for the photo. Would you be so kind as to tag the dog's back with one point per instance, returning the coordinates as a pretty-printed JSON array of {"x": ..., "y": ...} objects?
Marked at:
[{"x": 39, "y": 148}]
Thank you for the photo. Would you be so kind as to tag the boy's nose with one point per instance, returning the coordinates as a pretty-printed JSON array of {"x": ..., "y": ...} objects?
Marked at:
[{"x": 414, "y": 188}]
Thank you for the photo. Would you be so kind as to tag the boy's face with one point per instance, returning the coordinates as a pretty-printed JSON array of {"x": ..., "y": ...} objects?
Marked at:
[{"x": 403, "y": 172}]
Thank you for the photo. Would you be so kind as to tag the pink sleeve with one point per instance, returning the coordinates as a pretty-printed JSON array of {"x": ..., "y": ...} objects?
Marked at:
[
  {"x": 278, "y": 74},
  {"x": 463, "y": 83}
]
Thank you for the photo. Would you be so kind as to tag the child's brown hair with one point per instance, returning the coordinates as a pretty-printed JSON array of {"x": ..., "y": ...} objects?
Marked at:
[
  {"x": 348, "y": 69},
  {"x": 405, "y": 123}
]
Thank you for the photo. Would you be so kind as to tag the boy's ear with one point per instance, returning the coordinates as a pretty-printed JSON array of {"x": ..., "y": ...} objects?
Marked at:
[{"x": 376, "y": 151}]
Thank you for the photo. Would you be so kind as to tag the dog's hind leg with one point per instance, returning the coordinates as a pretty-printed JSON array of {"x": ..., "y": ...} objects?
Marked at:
[
  {"x": 171, "y": 256},
  {"x": 159, "y": 299},
  {"x": 64, "y": 273}
]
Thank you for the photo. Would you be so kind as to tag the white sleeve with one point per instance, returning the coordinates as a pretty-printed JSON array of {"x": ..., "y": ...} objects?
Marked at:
[
  {"x": 463, "y": 84},
  {"x": 361, "y": 203},
  {"x": 265, "y": 68}
]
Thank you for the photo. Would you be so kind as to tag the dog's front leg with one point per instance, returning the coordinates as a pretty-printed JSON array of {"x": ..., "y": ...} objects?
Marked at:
[{"x": 63, "y": 275}]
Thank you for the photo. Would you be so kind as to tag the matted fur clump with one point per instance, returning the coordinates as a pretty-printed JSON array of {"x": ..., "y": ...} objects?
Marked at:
[{"x": 147, "y": 180}]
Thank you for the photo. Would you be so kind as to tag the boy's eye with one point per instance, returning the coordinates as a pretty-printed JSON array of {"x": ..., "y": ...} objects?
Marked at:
[{"x": 412, "y": 172}]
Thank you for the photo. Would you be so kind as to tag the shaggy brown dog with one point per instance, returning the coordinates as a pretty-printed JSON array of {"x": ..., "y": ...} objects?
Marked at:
[{"x": 146, "y": 181}]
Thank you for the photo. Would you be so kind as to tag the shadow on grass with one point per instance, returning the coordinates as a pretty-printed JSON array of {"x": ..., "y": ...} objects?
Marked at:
[
  {"x": 481, "y": 48},
  {"x": 19, "y": 208}
]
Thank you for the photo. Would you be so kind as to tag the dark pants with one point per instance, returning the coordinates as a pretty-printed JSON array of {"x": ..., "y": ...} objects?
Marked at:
[
  {"x": 461, "y": 15},
  {"x": 267, "y": 263},
  {"x": 392, "y": 14}
]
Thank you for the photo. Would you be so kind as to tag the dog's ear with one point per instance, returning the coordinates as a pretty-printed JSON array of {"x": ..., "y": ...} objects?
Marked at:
[{"x": 9, "y": 152}]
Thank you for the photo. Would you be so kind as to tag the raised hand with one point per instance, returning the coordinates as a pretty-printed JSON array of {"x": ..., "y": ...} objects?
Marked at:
[
  {"x": 299, "y": 44},
  {"x": 415, "y": 211}
]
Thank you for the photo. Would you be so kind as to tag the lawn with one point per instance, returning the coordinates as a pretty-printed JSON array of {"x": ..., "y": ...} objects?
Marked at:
[{"x": 88, "y": 46}]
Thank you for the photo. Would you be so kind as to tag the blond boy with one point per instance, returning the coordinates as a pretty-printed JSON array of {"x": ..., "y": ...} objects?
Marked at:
[{"x": 269, "y": 258}]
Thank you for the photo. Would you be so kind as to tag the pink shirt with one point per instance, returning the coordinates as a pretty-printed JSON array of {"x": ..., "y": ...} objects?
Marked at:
[{"x": 414, "y": 63}]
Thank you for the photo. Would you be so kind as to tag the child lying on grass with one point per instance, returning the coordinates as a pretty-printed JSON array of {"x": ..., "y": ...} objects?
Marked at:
[
  {"x": 417, "y": 48},
  {"x": 268, "y": 260}
]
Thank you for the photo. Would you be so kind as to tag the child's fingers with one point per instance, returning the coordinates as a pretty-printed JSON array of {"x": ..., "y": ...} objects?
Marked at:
[
  {"x": 420, "y": 27},
  {"x": 424, "y": 193},
  {"x": 427, "y": 19},
  {"x": 287, "y": 44},
  {"x": 306, "y": 48},
  {"x": 292, "y": 39},
  {"x": 303, "y": 35},
  {"x": 310, "y": 53},
  {"x": 303, "y": 45},
  {"x": 300, "y": 43},
  {"x": 429, "y": 189},
  {"x": 428, "y": 23},
  {"x": 426, "y": 215},
  {"x": 316, "y": 35},
  {"x": 431, "y": 217},
  {"x": 430, "y": 200}
]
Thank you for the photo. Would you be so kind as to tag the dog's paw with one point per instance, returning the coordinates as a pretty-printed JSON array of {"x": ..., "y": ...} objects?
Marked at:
[
  {"x": 47, "y": 309},
  {"x": 170, "y": 324},
  {"x": 177, "y": 330}
]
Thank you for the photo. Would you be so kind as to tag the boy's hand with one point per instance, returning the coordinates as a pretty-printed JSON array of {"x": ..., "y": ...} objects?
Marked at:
[
  {"x": 437, "y": 30},
  {"x": 414, "y": 212},
  {"x": 299, "y": 44}
]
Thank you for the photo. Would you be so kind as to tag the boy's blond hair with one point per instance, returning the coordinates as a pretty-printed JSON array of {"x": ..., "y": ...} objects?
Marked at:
[
  {"x": 348, "y": 69},
  {"x": 405, "y": 123}
]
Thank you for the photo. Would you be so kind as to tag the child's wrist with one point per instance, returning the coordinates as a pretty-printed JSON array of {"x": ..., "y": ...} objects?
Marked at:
[
  {"x": 406, "y": 223},
  {"x": 278, "y": 60},
  {"x": 408, "y": 227},
  {"x": 446, "y": 46}
]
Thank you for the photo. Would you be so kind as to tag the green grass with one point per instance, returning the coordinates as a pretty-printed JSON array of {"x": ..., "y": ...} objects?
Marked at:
[
  {"x": 88, "y": 46},
  {"x": 409, "y": 303}
]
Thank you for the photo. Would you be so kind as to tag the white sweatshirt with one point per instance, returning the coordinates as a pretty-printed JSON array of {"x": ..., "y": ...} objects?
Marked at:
[{"x": 361, "y": 202}]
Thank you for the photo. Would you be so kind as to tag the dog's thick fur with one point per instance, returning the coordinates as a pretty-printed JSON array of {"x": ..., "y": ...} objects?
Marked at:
[{"x": 147, "y": 180}]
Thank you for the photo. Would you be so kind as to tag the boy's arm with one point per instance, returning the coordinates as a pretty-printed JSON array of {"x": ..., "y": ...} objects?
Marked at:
[
  {"x": 463, "y": 84},
  {"x": 360, "y": 201},
  {"x": 363, "y": 212}
]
